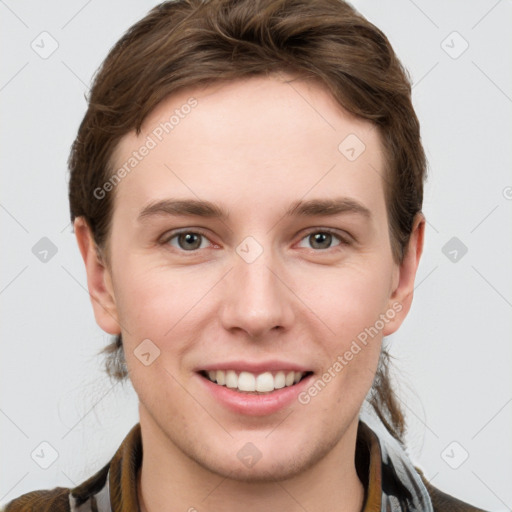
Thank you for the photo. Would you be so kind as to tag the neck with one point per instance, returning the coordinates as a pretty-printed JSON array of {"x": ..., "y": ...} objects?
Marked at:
[{"x": 169, "y": 480}]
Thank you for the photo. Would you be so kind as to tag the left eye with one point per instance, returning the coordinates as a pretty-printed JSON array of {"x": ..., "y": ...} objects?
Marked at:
[
  {"x": 321, "y": 240},
  {"x": 188, "y": 241}
]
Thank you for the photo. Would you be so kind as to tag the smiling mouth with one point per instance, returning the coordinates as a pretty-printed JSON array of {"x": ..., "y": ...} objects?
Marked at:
[{"x": 256, "y": 384}]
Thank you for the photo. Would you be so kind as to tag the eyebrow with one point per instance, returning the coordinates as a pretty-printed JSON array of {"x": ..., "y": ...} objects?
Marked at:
[
  {"x": 183, "y": 207},
  {"x": 328, "y": 207},
  {"x": 207, "y": 209}
]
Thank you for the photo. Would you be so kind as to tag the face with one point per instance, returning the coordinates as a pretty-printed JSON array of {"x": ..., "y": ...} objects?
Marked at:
[{"x": 246, "y": 246}]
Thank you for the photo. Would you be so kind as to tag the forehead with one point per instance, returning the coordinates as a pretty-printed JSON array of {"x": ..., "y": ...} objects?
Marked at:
[{"x": 268, "y": 138}]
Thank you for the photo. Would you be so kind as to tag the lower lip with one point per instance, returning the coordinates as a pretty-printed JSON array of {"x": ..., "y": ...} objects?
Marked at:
[{"x": 255, "y": 405}]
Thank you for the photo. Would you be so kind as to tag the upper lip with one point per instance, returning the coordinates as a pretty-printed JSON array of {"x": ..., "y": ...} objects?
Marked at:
[{"x": 255, "y": 366}]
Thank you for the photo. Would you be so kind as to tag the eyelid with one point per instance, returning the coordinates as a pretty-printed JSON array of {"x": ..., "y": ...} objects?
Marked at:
[
  {"x": 169, "y": 235},
  {"x": 345, "y": 239}
]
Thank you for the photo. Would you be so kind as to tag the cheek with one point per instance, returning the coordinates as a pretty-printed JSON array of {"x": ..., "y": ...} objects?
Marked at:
[
  {"x": 158, "y": 302},
  {"x": 160, "y": 306},
  {"x": 348, "y": 299},
  {"x": 350, "y": 305}
]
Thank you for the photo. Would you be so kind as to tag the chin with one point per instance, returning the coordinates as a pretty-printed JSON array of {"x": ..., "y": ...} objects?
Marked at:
[
  {"x": 262, "y": 471},
  {"x": 261, "y": 460}
]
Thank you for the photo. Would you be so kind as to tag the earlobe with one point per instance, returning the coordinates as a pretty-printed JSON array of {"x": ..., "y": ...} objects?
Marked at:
[
  {"x": 99, "y": 280},
  {"x": 401, "y": 297}
]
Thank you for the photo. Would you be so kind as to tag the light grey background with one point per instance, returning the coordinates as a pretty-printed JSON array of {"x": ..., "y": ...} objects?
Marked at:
[{"x": 453, "y": 354}]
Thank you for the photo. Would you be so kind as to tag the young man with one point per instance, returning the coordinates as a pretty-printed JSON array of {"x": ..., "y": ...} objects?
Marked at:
[{"x": 246, "y": 192}]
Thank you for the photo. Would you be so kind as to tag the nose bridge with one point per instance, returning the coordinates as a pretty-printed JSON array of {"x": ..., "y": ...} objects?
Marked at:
[{"x": 256, "y": 300}]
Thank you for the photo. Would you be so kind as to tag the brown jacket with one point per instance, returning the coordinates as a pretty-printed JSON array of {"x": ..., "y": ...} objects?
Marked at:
[{"x": 123, "y": 468}]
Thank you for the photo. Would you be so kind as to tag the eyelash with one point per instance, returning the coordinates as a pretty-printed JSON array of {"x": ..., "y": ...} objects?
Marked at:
[{"x": 343, "y": 241}]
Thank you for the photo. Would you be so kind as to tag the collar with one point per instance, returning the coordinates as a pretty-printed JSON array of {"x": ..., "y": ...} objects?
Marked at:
[{"x": 391, "y": 482}]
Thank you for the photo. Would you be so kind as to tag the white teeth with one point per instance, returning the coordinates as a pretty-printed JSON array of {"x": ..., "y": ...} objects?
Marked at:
[
  {"x": 246, "y": 382},
  {"x": 249, "y": 382},
  {"x": 221, "y": 377},
  {"x": 279, "y": 380},
  {"x": 231, "y": 379},
  {"x": 264, "y": 382}
]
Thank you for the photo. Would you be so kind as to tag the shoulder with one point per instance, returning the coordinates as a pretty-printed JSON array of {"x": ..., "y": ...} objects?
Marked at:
[
  {"x": 59, "y": 498},
  {"x": 54, "y": 500},
  {"x": 124, "y": 465},
  {"x": 443, "y": 502}
]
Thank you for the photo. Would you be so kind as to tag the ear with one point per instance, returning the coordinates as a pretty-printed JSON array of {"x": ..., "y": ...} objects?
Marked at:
[
  {"x": 99, "y": 279},
  {"x": 400, "y": 299}
]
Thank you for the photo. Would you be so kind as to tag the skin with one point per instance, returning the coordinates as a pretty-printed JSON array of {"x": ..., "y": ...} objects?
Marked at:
[{"x": 253, "y": 147}]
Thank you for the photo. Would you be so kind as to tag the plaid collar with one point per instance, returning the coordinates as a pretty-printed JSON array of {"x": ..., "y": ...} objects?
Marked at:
[{"x": 393, "y": 484}]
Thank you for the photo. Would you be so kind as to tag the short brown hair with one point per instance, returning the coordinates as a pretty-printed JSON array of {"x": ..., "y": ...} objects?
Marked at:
[{"x": 184, "y": 43}]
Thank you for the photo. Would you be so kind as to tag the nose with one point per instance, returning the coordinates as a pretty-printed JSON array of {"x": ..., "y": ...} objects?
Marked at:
[{"x": 256, "y": 298}]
